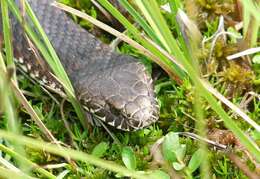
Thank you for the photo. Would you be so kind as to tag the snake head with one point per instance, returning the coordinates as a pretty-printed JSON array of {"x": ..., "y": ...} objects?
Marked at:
[{"x": 121, "y": 96}]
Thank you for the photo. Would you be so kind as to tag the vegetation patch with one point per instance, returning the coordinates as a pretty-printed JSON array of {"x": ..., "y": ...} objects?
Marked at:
[{"x": 209, "y": 100}]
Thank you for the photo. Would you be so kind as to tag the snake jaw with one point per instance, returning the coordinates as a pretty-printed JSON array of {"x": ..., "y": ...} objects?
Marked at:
[{"x": 121, "y": 118}]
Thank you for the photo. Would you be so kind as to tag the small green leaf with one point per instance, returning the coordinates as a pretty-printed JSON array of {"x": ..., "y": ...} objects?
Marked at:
[
  {"x": 234, "y": 32},
  {"x": 178, "y": 166},
  {"x": 256, "y": 59},
  {"x": 169, "y": 146},
  {"x": 196, "y": 160},
  {"x": 100, "y": 149},
  {"x": 128, "y": 158},
  {"x": 159, "y": 174},
  {"x": 180, "y": 152}
]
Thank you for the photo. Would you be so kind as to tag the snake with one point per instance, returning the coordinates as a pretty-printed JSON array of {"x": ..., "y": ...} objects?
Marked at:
[{"x": 116, "y": 88}]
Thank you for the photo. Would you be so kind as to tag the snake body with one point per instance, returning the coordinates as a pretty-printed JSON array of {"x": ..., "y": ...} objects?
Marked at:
[{"x": 114, "y": 87}]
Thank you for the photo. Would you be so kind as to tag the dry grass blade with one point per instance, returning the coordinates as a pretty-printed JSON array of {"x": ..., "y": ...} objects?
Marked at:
[
  {"x": 103, "y": 26},
  {"x": 103, "y": 11},
  {"x": 244, "y": 53},
  {"x": 236, "y": 109},
  {"x": 34, "y": 116},
  {"x": 32, "y": 113},
  {"x": 116, "y": 33}
]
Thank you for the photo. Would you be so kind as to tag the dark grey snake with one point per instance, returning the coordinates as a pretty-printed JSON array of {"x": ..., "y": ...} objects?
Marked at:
[{"x": 114, "y": 87}]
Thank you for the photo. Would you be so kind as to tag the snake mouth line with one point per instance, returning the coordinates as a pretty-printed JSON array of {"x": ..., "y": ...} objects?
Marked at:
[{"x": 119, "y": 120}]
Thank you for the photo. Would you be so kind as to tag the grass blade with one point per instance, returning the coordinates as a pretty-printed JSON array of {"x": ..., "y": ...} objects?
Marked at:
[
  {"x": 49, "y": 54},
  {"x": 74, "y": 154},
  {"x": 154, "y": 53},
  {"x": 7, "y": 34},
  {"x": 166, "y": 63},
  {"x": 139, "y": 19},
  {"x": 31, "y": 164}
]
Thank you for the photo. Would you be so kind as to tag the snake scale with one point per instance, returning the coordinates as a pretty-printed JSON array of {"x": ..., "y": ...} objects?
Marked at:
[{"x": 114, "y": 87}]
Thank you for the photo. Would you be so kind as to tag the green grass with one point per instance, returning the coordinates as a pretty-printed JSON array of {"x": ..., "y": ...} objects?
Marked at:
[{"x": 186, "y": 105}]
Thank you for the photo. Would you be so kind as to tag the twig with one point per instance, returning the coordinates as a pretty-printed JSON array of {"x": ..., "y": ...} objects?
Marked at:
[
  {"x": 109, "y": 132},
  {"x": 195, "y": 136},
  {"x": 244, "y": 53},
  {"x": 66, "y": 124}
]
